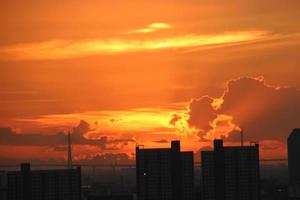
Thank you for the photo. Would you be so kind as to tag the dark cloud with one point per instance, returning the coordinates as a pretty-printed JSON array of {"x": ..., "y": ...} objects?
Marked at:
[
  {"x": 108, "y": 158},
  {"x": 233, "y": 136},
  {"x": 175, "y": 119},
  {"x": 161, "y": 141},
  {"x": 9, "y": 137},
  {"x": 201, "y": 112},
  {"x": 99, "y": 159},
  {"x": 264, "y": 112}
]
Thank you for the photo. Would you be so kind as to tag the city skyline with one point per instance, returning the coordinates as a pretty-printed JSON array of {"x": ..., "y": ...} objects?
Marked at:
[{"x": 227, "y": 172}]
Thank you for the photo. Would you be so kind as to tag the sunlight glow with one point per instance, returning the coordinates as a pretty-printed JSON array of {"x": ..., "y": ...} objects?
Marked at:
[
  {"x": 135, "y": 120},
  {"x": 221, "y": 126},
  {"x": 61, "y": 49}
]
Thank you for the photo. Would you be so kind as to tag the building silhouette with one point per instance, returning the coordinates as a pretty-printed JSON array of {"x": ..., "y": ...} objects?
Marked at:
[
  {"x": 293, "y": 156},
  {"x": 164, "y": 173},
  {"x": 231, "y": 173},
  {"x": 3, "y": 188},
  {"x": 294, "y": 163},
  {"x": 56, "y": 184}
]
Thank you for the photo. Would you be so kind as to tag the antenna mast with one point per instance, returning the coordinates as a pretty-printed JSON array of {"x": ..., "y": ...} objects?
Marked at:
[
  {"x": 70, "y": 164},
  {"x": 242, "y": 137}
]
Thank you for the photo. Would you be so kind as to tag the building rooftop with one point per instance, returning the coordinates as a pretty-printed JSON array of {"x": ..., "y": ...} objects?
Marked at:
[
  {"x": 295, "y": 134},
  {"x": 26, "y": 167}
]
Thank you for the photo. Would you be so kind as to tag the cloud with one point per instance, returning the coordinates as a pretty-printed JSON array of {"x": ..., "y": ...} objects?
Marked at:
[
  {"x": 113, "y": 122},
  {"x": 64, "y": 49},
  {"x": 263, "y": 111},
  {"x": 108, "y": 158},
  {"x": 162, "y": 141},
  {"x": 175, "y": 119},
  {"x": 151, "y": 28},
  {"x": 95, "y": 159},
  {"x": 59, "y": 140},
  {"x": 201, "y": 112},
  {"x": 9, "y": 137}
]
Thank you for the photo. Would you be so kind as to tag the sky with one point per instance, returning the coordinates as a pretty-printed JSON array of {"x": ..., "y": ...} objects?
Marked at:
[{"x": 122, "y": 73}]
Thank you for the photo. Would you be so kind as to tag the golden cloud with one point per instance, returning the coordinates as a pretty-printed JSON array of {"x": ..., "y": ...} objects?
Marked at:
[
  {"x": 151, "y": 28},
  {"x": 63, "y": 49}
]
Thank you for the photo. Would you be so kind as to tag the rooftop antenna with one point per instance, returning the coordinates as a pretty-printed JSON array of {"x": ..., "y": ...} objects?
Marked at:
[
  {"x": 242, "y": 138},
  {"x": 70, "y": 164}
]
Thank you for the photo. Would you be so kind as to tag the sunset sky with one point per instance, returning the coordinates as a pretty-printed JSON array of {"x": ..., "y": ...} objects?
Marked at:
[{"x": 125, "y": 72}]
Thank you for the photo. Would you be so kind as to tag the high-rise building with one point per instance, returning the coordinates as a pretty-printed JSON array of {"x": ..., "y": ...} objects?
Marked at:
[
  {"x": 293, "y": 156},
  {"x": 57, "y": 184},
  {"x": 3, "y": 187},
  {"x": 231, "y": 173},
  {"x": 294, "y": 164},
  {"x": 164, "y": 173}
]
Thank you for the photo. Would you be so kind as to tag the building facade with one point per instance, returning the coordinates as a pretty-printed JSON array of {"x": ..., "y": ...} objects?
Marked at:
[
  {"x": 293, "y": 157},
  {"x": 58, "y": 184},
  {"x": 231, "y": 173},
  {"x": 293, "y": 143},
  {"x": 3, "y": 186},
  {"x": 164, "y": 174}
]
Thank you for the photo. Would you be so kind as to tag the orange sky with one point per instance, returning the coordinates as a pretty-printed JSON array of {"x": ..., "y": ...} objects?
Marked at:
[{"x": 148, "y": 72}]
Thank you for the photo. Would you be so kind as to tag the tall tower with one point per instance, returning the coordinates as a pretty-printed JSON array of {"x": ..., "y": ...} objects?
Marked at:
[
  {"x": 69, "y": 151},
  {"x": 242, "y": 137}
]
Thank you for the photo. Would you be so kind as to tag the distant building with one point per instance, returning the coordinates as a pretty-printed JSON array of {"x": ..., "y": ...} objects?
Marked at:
[
  {"x": 294, "y": 163},
  {"x": 58, "y": 184},
  {"x": 231, "y": 173},
  {"x": 293, "y": 156},
  {"x": 164, "y": 173},
  {"x": 2, "y": 179},
  {"x": 3, "y": 187},
  {"x": 294, "y": 192}
]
